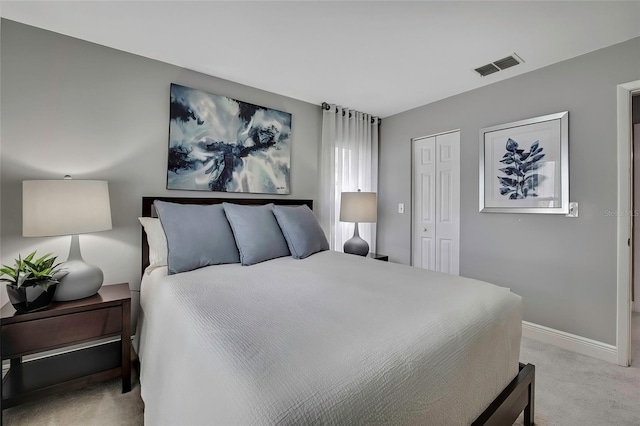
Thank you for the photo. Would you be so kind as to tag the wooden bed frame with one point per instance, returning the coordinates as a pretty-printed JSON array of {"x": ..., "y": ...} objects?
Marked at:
[{"x": 516, "y": 397}]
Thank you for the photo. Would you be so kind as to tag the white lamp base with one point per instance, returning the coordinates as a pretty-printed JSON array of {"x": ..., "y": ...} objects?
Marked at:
[
  {"x": 81, "y": 279},
  {"x": 356, "y": 245}
]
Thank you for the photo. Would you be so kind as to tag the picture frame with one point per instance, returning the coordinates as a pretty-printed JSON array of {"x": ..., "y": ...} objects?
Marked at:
[
  {"x": 221, "y": 144},
  {"x": 524, "y": 166}
]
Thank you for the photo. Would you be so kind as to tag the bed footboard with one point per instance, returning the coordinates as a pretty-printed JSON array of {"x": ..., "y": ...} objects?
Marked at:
[{"x": 516, "y": 397}]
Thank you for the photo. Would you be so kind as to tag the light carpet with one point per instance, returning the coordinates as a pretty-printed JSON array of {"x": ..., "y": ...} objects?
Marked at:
[
  {"x": 571, "y": 389},
  {"x": 100, "y": 404}
]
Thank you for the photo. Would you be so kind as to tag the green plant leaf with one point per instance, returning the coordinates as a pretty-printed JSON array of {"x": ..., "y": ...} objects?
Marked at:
[
  {"x": 43, "y": 258},
  {"x": 30, "y": 272},
  {"x": 5, "y": 270},
  {"x": 47, "y": 263},
  {"x": 29, "y": 264},
  {"x": 30, "y": 256}
]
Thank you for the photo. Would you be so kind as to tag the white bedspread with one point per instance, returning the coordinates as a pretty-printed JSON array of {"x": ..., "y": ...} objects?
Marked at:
[{"x": 331, "y": 339}]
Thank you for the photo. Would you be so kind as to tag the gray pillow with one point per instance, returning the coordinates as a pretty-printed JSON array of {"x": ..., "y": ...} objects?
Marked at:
[
  {"x": 197, "y": 236},
  {"x": 257, "y": 233},
  {"x": 301, "y": 230}
]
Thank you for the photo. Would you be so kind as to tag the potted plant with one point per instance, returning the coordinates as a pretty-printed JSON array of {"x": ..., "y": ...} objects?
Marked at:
[{"x": 31, "y": 283}]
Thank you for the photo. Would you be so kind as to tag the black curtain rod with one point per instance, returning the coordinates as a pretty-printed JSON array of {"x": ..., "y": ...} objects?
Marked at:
[{"x": 327, "y": 107}]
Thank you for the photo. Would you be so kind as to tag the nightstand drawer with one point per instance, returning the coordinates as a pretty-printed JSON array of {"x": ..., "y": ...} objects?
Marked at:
[{"x": 48, "y": 333}]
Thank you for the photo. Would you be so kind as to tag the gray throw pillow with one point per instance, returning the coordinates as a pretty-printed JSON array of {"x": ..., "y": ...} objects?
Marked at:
[
  {"x": 197, "y": 236},
  {"x": 301, "y": 230},
  {"x": 257, "y": 233}
]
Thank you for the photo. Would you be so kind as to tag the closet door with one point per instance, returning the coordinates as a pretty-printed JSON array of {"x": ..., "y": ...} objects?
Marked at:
[
  {"x": 436, "y": 203},
  {"x": 424, "y": 203}
]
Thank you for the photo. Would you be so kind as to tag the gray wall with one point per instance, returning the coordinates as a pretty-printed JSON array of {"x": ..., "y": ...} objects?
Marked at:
[
  {"x": 73, "y": 107},
  {"x": 564, "y": 268}
]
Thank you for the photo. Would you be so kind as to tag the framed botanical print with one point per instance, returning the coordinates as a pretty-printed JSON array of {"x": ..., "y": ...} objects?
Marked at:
[{"x": 524, "y": 166}]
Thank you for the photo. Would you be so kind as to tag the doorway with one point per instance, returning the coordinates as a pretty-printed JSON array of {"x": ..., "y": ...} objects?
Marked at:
[
  {"x": 624, "y": 249},
  {"x": 635, "y": 266},
  {"x": 435, "y": 218}
]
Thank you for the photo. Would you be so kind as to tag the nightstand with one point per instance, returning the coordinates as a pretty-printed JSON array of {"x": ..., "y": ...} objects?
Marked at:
[
  {"x": 379, "y": 256},
  {"x": 62, "y": 324}
]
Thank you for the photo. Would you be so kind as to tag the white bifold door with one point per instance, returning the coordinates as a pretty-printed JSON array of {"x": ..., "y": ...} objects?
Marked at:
[{"x": 436, "y": 203}]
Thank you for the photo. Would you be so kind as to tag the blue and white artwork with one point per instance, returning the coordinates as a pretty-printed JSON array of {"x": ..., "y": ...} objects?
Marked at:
[
  {"x": 524, "y": 166},
  {"x": 521, "y": 178},
  {"x": 221, "y": 144}
]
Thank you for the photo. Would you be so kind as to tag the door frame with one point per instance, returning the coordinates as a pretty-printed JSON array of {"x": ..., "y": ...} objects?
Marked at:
[
  {"x": 412, "y": 186},
  {"x": 624, "y": 223}
]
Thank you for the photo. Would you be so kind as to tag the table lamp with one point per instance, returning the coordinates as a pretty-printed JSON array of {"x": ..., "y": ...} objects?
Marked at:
[
  {"x": 68, "y": 207},
  {"x": 358, "y": 207}
]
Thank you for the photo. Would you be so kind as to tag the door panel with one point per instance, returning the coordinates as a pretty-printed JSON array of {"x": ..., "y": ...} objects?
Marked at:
[
  {"x": 428, "y": 255},
  {"x": 436, "y": 201},
  {"x": 448, "y": 196},
  {"x": 428, "y": 195},
  {"x": 444, "y": 197},
  {"x": 445, "y": 251},
  {"x": 424, "y": 202}
]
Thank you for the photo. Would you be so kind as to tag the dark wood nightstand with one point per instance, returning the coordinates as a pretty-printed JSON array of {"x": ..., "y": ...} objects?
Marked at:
[
  {"x": 106, "y": 314},
  {"x": 379, "y": 256}
]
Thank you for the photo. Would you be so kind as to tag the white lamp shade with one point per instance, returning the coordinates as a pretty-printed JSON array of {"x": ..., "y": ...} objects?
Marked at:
[
  {"x": 358, "y": 207},
  {"x": 64, "y": 207}
]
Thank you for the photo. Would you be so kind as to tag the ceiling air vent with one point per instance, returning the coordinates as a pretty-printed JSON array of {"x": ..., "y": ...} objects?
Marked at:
[
  {"x": 507, "y": 62},
  {"x": 500, "y": 64},
  {"x": 487, "y": 69}
]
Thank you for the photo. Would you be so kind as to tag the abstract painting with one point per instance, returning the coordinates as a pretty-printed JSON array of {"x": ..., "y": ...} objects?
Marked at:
[
  {"x": 221, "y": 144},
  {"x": 524, "y": 166}
]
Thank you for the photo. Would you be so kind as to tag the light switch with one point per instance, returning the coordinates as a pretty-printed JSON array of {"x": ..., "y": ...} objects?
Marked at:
[
  {"x": 401, "y": 208},
  {"x": 573, "y": 209}
]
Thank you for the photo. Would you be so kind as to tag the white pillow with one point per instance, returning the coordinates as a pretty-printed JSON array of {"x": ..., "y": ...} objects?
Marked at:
[{"x": 157, "y": 241}]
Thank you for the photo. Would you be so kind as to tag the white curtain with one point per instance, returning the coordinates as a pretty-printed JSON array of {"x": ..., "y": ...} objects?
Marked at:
[{"x": 349, "y": 161}]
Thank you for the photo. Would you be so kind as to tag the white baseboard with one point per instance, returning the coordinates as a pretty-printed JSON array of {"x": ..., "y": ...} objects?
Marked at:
[{"x": 571, "y": 342}]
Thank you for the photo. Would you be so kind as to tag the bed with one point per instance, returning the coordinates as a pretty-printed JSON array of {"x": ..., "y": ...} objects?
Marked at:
[{"x": 328, "y": 339}]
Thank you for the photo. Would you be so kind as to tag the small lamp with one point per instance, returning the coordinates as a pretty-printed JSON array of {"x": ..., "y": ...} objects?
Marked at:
[
  {"x": 358, "y": 207},
  {"x": 68, "y": 207}
]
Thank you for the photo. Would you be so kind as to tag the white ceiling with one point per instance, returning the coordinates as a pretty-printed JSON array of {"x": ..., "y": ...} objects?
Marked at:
[{"x": 378, "y": 57}]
